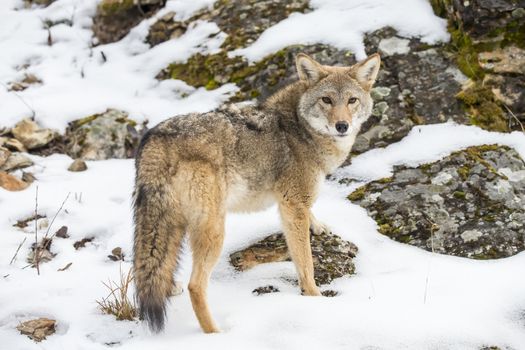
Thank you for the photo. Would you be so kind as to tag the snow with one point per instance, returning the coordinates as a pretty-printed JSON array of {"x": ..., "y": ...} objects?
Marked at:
[
  {"x": 342, "y": 23},
  {"x": 468, "y": 303},
  {"x": 77, "y": 82},
  {"x": 400, "y": 298}
]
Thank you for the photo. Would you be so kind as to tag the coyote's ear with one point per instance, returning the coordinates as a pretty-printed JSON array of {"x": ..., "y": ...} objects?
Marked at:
[
  {"x": 308, "y": 69},
  {"x": 366, "y": 71}
]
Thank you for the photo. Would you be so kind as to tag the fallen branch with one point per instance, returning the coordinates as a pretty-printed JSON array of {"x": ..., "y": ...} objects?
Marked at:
[
  {"x": 36, "y": 259},
  {"x": 17, "y": 249}
]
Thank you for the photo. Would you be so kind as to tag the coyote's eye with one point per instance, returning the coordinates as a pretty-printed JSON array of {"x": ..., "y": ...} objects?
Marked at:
[
  {"x": 352, "y": 100},
  {"x": 326, "y": 100}
]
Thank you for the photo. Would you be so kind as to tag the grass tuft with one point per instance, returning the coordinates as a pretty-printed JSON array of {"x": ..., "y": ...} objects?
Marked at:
[{"x": 117, "y": 302}]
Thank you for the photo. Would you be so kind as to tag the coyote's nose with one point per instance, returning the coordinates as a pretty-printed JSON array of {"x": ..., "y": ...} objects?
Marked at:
[{"x": 341, "y": 127}]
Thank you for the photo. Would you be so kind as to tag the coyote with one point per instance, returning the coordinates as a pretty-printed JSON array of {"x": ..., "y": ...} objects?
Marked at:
[{"x": 192, "y": 169}]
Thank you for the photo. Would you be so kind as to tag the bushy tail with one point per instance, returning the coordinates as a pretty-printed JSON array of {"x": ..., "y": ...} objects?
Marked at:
[{"x": 156, "y": 248}]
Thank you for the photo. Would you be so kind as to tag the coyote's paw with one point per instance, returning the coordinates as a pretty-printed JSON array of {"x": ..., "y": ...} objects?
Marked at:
[{"x": 317, "y": 227}]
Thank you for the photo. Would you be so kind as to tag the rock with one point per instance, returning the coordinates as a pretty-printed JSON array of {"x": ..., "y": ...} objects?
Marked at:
[
  {"x": 41, "y": 253},
  {"x": 4, "y": 155},
  {"x": 329, "y": 293},
  {"x": 177, "y": 289},
  {"x": 413, "y": 82},
  {"x": 510, "y": 59},
  {"x": 116, "y": 254},
  {"x": 31, "y": 135},
  {"x": 29, "y": 79},
  {"x": 16, "y": 161},
  {"x": 11, "y": 183},
  {"x": 232, "y": 18},
  {"x": 265, "y": 290},
  {"x": 37, "y": 329},
  {"x": 82, "y": 243},
  {"x": 62, "y": 232},
  {"x": 487, "y": 38},
  {"x": 469, "y": 204},
  {"x": 212, "y": 71},
  {"x": 78, "y": 165},
  {"x": 102, "y": 136},
  {"x": 23, "y": 223},
  {"x": 332, "y": 255},
  {"x": 482, "y": 19},
  {"x": 115, "y": 18},
  {"x": 393, "y": 45},
  {"x": 14, "y": 145},
  {"x": 166, "y": 28}
]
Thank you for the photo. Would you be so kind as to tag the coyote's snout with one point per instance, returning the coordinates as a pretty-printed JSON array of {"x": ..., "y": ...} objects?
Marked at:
[{"x": 192, "y": 169}]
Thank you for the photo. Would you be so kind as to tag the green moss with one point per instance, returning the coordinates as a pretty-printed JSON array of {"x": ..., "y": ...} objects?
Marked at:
[
  {"x": 512, "y": 34},
  {"x": 201, "y": 71},
  {"x": 385, "y": 229},
  {"x": 440, "y": 7},
  {"x": 464, "y": 172},
  {"x": 78, "y": 123},
  {"x": 491, "y": 253},
  {"x": 386, "y": 180},
  {"x": 358, "y": 194},
  {"x": 459, "y": 194},
  {"x": 110, "y": 7},
  {"x": 466, "y": 53},
  {"x": 483, "y": 108},
  {"x": 475, "y": 154}
]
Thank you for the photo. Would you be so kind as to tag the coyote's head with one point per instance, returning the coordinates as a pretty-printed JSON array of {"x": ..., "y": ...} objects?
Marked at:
[{"x": 337, "y": 100}]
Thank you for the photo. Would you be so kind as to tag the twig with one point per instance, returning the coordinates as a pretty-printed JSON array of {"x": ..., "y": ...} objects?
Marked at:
[
  {"x": 514, "y": 116},
  {"x": 36, "y": 233},
  {"x": 433, "y": 226},
  {"x": 65, "y": 267},
  {"x": 54, "y": 217},
  {"x": 16, "y": 253},
  {"x": 38, "y": 251},
  {"x": 33, "y": 113}
]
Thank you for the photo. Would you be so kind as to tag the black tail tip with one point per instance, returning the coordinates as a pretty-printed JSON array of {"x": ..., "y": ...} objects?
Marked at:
[{"x": 154, "y": 314}]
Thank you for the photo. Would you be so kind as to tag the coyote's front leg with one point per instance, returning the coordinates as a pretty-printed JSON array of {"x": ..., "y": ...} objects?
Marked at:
[{"x": 296, "y": 222}]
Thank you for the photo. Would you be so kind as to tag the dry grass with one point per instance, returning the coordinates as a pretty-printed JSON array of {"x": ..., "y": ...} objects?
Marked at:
[{"x": 117, "y": 302}]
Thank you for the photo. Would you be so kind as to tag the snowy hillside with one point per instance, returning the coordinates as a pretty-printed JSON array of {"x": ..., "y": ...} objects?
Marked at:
[{"x": 400, "y": 297}]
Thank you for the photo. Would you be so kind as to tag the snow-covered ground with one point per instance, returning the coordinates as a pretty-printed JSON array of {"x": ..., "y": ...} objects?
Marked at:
[{"x": 400, "y": 298}]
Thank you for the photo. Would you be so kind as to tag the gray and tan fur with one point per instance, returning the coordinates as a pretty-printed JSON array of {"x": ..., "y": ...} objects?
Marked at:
[{"x": 191, "y": 170}]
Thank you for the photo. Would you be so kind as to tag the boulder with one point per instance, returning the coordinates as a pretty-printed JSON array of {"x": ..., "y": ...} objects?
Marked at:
[
  {"x": 332, "y": 255},
  {"x": 469, "y": 204},
  {"x": 11, "y": 183},
  {"x": 115, "y": 18},
  {"x": 31, "y": 135},
  {"x": 16, "y": 161},
  {"x": 102, "y": 136},
  {"x": 37, "y": 329}
]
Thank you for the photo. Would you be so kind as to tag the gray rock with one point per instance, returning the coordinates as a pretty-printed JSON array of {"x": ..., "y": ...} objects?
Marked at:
[
  {"x": 332, "y": 255},
  {"x": 102, "y": 136},
  {"x": 469, "y": 204},
  {"x": 16, "y": 161}
]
